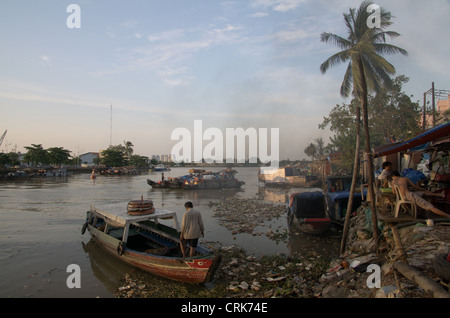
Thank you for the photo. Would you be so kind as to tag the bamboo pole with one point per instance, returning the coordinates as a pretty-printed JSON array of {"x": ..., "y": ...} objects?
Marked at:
[
  {"x": 398, "y": 243},
  {"x": 353, "y": 186},
  {"x": 422, "y": 280}
]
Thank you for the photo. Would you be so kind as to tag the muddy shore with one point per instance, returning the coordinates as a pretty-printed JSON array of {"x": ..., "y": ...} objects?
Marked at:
[{"x": 311, "y": 273}]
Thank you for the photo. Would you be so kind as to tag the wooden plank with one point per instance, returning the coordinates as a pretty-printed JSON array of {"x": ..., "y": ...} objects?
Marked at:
[
  {"x": 391, "y": 219},
  {"x": 423, "y": 281}
]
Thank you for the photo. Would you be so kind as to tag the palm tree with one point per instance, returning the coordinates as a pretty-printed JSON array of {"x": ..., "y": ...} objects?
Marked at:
[
  {"x": 128, "y": 148},
  {"x": 366, "y": 70}
]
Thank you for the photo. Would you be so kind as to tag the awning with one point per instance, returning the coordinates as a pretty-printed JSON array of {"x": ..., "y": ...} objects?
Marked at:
[{"x": 442, "y": 130}]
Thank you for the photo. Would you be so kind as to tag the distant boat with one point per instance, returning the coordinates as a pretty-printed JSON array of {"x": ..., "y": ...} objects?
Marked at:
[
  {"x": 62, "y": 172},
  {"x": 204, "y": 180},
  {"x": 172, "y": 183},
  {"x": 142, "y": 241},
  {"x": 289, "y": 176},
  {"x": 199, "y": 179},
  {"x": 19, "y": 175},
  {"x": 161, "y": 167},
  {"x": 308, "y": 211}
]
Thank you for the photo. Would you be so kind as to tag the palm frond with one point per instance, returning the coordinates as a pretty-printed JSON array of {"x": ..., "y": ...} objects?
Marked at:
[
  {"x": 347, "y": 83},
  {"x": 380, "y": 69},
  {"x": 334, "y": 39},
  {"x": 338, "y": 58},
  {"x": 356, "y": 73},
  {"x": 349, "y": 22},
  {"x": 382, "y": 48}
]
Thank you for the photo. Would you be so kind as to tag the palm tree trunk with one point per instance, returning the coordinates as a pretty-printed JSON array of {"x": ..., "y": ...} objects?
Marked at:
[
  {"x": 364, "y": 102},
  {"x": 353, "y": 186}
]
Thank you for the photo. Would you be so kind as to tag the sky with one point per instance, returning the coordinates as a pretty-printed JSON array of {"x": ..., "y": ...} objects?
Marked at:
[{"x": 161, "y": 65}]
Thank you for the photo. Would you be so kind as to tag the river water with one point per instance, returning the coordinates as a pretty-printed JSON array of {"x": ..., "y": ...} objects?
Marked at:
[{"x": 41, "y": 220}]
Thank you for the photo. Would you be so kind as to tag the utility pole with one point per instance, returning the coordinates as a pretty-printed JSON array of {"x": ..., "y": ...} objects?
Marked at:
[
  {"x": 433, "y": 102},
  {"x": 110, "y": 128},
  {"x": 424, "y": 125},
  {"x": 434, "y": 92}
]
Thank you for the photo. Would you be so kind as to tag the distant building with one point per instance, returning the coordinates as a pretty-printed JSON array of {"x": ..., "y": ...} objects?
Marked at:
[
  {"x": 87, "y": 159},
  {"x": 442, "y": 106},
  {"x": 162, "y": 158}
]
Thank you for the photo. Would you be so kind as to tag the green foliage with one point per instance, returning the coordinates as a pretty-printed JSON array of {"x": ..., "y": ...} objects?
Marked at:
[
  {"x": 58, "y": 155},
  {"x": 37, "y": 155},
  {"x": 122, "y": 155},
  {"x": 9, "y": 159},
  {"x": 114, "y": 157},
  {"x": 393, "y": 116}
]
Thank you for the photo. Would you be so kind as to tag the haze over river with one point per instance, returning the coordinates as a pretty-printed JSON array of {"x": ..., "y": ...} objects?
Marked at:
[{"x": 41, "y": 220}]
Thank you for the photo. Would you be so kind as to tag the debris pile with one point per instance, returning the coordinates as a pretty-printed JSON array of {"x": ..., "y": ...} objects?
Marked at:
[
  {"x": 312, "y": 273},
  {"x": 239, "y": 275},
  {"x": 350, "y": 275},
  {"x": 270, "y": 276},
  {"x": 243, "y": 215}
]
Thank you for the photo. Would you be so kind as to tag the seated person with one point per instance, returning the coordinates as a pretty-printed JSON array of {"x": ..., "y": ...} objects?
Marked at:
[
  {"x": 385, "y": 175},
  {"x": 416, "y": 196}
]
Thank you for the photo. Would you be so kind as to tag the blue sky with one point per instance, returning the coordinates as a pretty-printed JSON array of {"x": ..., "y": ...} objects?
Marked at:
[{"x": 164, "y": 64}]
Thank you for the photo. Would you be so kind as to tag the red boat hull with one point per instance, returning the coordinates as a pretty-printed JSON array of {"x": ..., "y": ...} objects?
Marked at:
[{"x": 193, "y": 270}]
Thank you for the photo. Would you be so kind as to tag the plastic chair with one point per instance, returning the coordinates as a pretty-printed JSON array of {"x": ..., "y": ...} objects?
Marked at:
[{"x": 403, "y": 202}]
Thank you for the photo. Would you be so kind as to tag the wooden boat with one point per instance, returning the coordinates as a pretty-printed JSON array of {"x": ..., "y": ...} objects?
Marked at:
[
  {"x": 308, "y": 211},
  {"x": 224, "y": 179},
  {"x": 161, "y": 167},
  {"x": 338, "y": 193},
  {"x": 19, "y": 175},
  {"x": 172, "y": 183},
  {"x": 158, "y": 185},
  {"x": 142, "y": 241},
  {"x": 175, "y": 183}
]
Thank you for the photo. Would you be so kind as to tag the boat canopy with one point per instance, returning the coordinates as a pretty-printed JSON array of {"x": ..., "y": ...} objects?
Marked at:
[
  {"x": 341, "y": 195},
  {"x": 117, "y": 215},
  {"x": 442, "y": 130}
]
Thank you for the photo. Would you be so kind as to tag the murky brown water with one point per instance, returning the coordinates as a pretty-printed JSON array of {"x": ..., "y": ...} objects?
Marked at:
[{"x": 41, "y": 220}]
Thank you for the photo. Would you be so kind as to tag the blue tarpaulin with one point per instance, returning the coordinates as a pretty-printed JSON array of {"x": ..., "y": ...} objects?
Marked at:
[{"x": 442, "y": 130}]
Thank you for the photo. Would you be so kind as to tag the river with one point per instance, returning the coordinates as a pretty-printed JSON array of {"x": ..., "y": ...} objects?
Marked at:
[{"x": 41, "y": 220}]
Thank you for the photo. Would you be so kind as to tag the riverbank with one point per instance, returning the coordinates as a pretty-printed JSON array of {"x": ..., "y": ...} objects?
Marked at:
[{"x": 312, "y": 273}]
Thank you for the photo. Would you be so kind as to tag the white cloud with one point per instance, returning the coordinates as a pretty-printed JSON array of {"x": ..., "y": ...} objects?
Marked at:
[
  {"x": 166, "y": 35},
  {"x": 169, "y": 53},
  {"x": 278, "y": 5},
  {"x": 45, "y": 60},
  {"x": 259, "y": 15},
  {"x": 290, "y": 36}
]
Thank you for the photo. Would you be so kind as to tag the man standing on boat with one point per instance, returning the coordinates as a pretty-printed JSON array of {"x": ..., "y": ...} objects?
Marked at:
[{"x": 191, "y": 229}]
